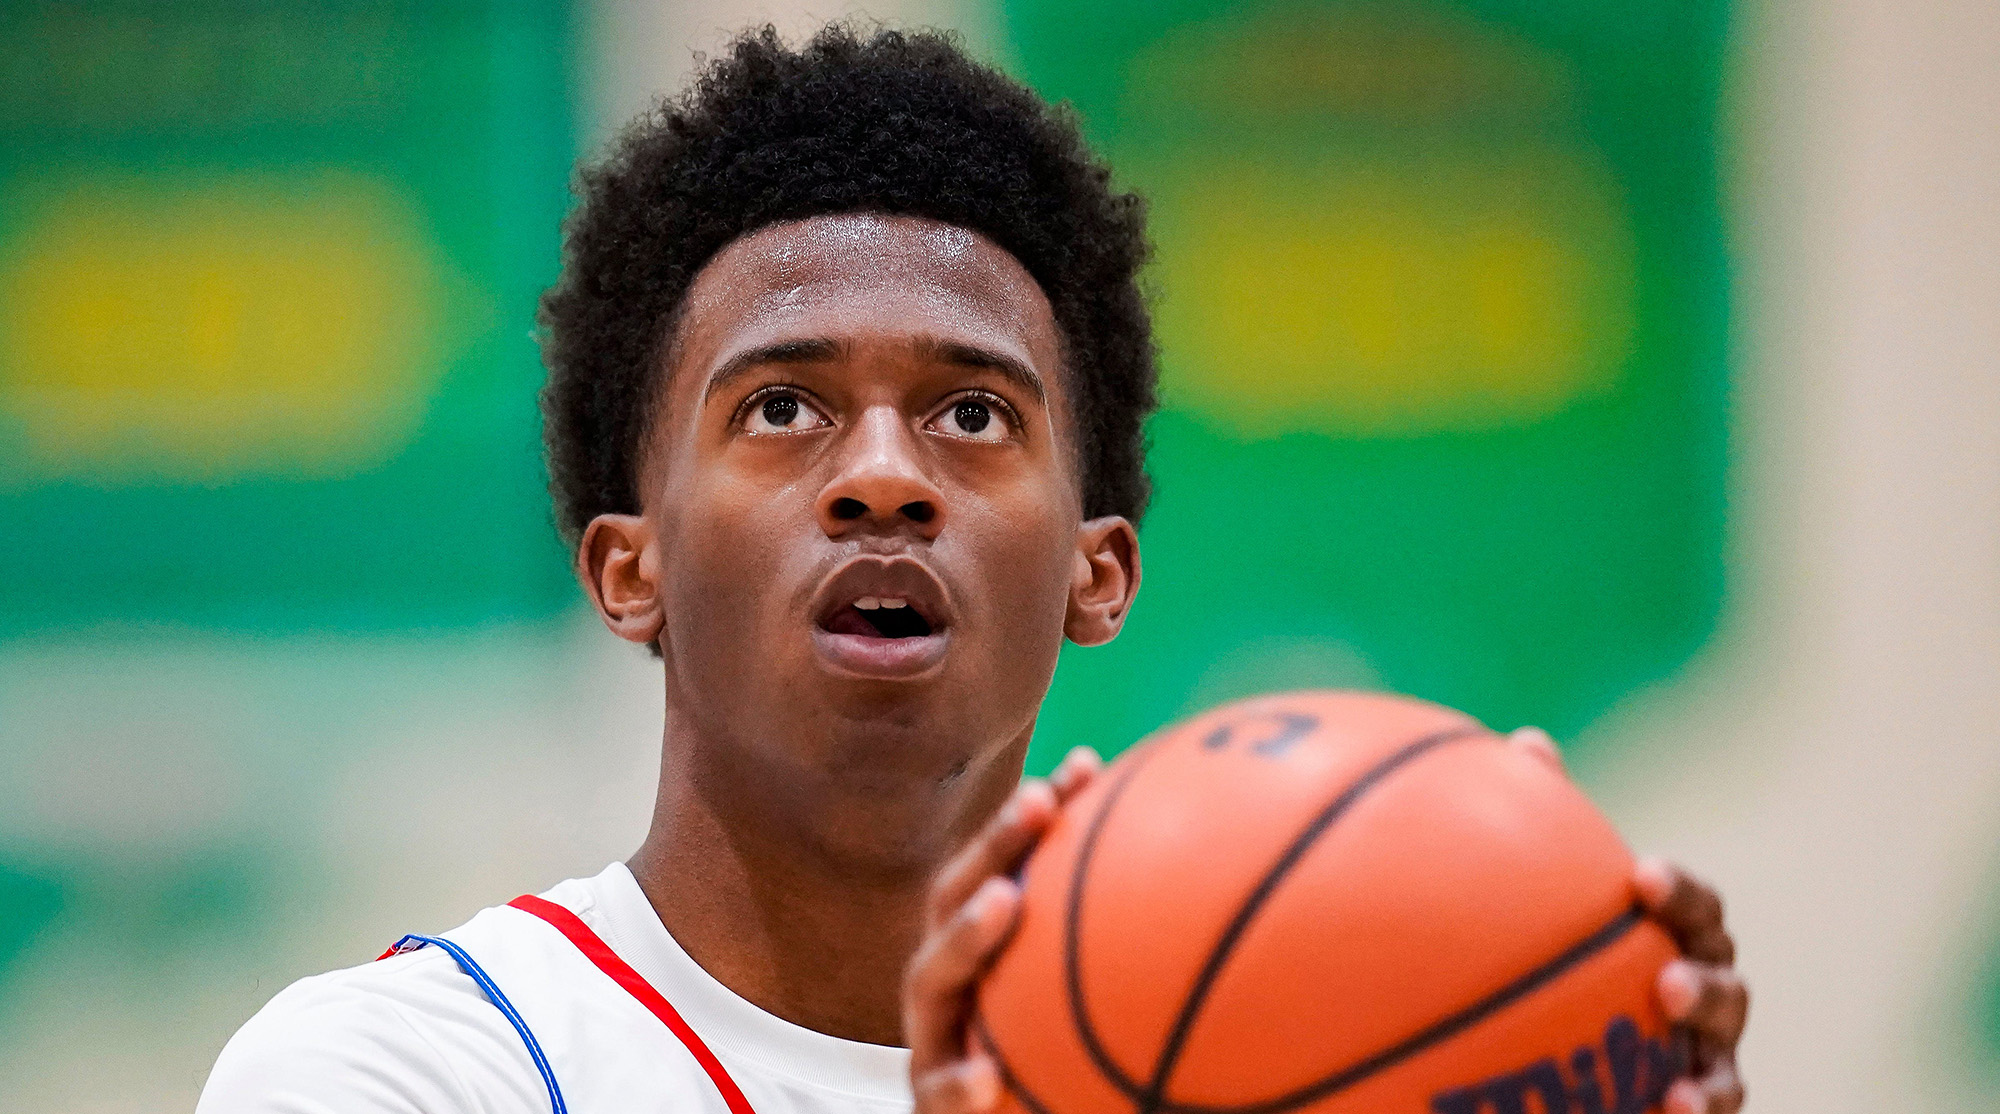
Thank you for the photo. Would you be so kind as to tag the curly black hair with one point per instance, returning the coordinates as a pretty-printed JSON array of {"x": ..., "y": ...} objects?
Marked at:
[{"x": 891, "y": 122}]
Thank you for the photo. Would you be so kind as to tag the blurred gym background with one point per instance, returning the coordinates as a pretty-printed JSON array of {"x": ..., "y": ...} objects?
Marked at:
[{"x": 1628, "y": 367}]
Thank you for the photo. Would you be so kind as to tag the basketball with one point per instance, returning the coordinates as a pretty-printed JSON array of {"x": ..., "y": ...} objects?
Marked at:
[{"x": 1330, "y": 903}]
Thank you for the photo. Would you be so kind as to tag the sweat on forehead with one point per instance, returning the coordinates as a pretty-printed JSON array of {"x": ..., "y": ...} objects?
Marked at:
[
  {"x": 803, "y": 248},
  {"x": 871, "y": 273}
]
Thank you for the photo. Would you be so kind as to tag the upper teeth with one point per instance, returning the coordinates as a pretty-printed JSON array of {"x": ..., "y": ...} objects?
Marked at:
[{"x": 870, "y": 603}]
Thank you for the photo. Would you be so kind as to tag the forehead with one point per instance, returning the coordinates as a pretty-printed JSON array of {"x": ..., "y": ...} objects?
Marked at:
[{"x": 865, "y": 276}]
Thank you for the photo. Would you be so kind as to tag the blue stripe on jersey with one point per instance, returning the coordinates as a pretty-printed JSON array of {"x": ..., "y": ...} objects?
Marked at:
[{"x": 478, "y": 974}]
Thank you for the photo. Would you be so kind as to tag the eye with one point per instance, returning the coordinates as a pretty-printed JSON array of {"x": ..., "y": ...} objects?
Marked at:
[
  {"x": 974, "y": 418},
  {"x": 782, "y": 411}
]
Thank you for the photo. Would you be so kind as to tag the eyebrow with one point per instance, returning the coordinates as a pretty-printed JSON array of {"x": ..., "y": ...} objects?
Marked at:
[
  {"x": 808, "y": 351},
  {"x": 819, "y": 349},
  {"x": 971, "y": 355}
]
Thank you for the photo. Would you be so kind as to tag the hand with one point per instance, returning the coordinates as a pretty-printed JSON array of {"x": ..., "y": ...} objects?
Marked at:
[
  {"x": 1700, "y": 992},
  {"x": 971, "y": 911}
]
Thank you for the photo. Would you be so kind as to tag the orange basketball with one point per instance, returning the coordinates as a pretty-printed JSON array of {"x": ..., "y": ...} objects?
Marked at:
[{"x": 1330, "y": 903}]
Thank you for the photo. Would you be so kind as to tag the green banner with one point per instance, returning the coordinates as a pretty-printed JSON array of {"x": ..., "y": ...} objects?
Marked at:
[
  {"x": 267, "y": 278},
  {"x": 1440, "y": 292}
]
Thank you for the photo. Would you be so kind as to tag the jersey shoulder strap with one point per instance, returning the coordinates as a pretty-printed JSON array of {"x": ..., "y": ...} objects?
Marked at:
[
  {"x": 494, "y": 995},
  {"x": 599, "y": 953},
  {"x": 503, "y": 937}
]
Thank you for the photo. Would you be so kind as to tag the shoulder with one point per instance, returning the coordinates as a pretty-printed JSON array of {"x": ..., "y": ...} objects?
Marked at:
[{"x": 406, "y": 1034}]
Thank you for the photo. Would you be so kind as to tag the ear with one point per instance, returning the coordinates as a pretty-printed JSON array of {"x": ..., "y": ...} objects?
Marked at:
[
  {"x": 1103, "y": 580},
  {"x": 619, "y": 565}
]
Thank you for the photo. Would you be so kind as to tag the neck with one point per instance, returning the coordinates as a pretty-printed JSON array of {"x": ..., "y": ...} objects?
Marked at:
[{"x": 803, "y": 890}]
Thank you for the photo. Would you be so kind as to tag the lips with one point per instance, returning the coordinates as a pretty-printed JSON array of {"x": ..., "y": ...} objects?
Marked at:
[{"x": 883, "y": 617}]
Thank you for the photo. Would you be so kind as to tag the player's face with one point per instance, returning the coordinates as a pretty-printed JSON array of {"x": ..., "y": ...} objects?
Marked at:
[{"x": 862, "y": 491}]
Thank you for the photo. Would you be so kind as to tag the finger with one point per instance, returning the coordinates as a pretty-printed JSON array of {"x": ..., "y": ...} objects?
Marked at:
[
  {"x": 1718, "y": 1092},
  {"x": 1710, "y": 1000},
  {"x": 968, "y": 1086},
  {"x": 1724, "y": 1088},
  {"x": 1076, "y": 771},
  {"x": 1537, "y": 742},
  {"x": 1688, "y": 908},
  {"x": 997, "y": 849},
  {"x": 936, "y": 989}
]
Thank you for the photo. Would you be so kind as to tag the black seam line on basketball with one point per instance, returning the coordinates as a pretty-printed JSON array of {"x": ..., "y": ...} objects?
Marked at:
[
  {"x": 1436, "y": 1033},
  {"x": 1170, "y": 1053},
  {"x": 1007, "y": 1076},
  {"x": 1073, "y": 932}
]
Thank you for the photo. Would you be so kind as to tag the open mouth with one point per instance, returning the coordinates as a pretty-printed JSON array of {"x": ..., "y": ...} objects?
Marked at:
[
  {"x": 878, "y": 617},
  {"x": 882, "y": 617}
]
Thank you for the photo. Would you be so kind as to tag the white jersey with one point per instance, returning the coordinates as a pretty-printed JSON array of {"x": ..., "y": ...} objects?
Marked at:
[{"x": 579, "y": 1001}]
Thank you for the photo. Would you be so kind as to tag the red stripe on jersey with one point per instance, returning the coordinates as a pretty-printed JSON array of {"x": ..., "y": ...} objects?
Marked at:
[{"x": 597, "y": 951}]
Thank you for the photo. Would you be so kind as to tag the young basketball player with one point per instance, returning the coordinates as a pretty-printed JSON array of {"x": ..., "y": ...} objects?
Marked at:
[{"x": 847, "y": 375}]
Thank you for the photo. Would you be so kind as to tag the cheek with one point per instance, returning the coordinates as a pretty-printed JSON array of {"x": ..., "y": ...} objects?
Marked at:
[
  {"x": 1026, "y": 549},
  {"x": 730, "y": 544}
]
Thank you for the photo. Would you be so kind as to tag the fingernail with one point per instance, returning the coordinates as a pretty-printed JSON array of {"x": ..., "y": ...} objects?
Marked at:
[
  {"x": 1686, "y": 1098},
  {"x": 1538, "y": 741},
  {"x": 1650, "y": 875},
  {"x": 1678, "y": 989},
  {"x": 990, "y": 893},
  {"x": 1017, "y": 805},
  {"x": 982, "y": 1084},
  {"x": 1039, "y": 802},
  {"x": 1065, "y": 772}
]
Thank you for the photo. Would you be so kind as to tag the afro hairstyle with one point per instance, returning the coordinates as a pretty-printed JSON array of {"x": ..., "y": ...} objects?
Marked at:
[{"x": 889, "y": 122}]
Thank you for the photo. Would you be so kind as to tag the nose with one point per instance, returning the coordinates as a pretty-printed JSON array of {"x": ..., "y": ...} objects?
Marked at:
[{"x": 880, "y": 484}]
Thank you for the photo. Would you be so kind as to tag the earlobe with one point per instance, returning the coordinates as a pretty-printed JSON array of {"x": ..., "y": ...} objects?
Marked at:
[
  {"x": 619, "y": 566},
  {"x": 1103, "y": 580}
]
